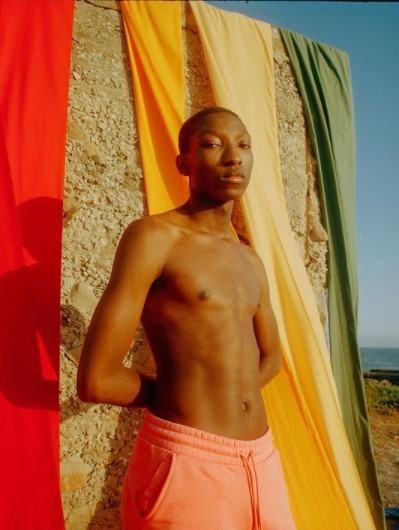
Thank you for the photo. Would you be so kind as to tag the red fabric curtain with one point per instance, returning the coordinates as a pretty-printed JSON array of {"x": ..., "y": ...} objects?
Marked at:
[{"x": 35, "y": 37}]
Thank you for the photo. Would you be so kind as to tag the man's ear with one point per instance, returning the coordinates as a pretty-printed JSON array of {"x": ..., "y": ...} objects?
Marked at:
[{"x": 181, "y": 164}]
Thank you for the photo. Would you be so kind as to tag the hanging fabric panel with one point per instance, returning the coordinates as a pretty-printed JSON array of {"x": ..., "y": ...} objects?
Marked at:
[
  {"x": 323, "y": 76},
  {"x": 156, "y": 57},
  {"x": 35, "y": 38},
  {"x": 302, "y": 402}
]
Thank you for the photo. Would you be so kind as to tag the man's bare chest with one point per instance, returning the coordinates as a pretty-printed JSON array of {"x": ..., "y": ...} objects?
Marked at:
[{"x": 208, "y": 272}]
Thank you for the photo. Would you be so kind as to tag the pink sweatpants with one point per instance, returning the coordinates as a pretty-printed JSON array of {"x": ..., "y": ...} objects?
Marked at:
[{"x": 182, "y": 478}]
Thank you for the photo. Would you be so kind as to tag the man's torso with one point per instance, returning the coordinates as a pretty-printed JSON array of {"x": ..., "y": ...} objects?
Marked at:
[{"x": 198, "y": 318}]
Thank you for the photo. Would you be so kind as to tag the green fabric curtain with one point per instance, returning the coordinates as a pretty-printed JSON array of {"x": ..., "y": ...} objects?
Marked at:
[{"x": 323, "y": 76}]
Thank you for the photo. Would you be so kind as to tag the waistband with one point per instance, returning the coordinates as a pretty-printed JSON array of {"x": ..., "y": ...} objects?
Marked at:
[{"x": 182, "y": 439}]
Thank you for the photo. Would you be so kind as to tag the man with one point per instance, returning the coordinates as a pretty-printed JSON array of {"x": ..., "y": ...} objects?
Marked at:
[{"x": 204, "y": 458}]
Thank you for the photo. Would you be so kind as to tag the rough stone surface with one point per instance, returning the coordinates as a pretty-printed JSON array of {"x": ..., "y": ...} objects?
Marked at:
[
  {"x": 104, "y": 192},
  {"x": 106, "y": 4},
  {"x": 299, "y": 174},
  {"x": 74, "y": 473}
]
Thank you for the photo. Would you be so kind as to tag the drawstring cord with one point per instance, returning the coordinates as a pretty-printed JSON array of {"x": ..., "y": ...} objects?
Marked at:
[{"x": 253, "y": 489}]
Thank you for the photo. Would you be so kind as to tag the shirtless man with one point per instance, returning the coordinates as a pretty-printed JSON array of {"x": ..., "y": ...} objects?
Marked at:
[{"x": 204, "y": 458}]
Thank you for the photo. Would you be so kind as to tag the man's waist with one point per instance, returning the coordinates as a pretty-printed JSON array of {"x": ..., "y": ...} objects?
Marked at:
[
  {"x": 236, "y": 416},
  {"x": 185, "y": 439}
]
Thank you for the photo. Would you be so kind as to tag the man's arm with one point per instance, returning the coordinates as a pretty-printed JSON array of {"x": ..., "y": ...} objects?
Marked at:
[
  {"x": 102, "y": 377},
  {"x": 266, "y": 331}
]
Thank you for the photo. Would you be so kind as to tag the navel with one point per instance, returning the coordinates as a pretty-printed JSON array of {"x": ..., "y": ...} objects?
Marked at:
[
  {"x": 244, "y": 406},
  {"x": 158, "y": 283},
  {"x": 204, "y": 294}
]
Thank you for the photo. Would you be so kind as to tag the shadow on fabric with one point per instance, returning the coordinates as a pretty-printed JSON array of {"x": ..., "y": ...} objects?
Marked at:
[{"x": 29, "y": 310}]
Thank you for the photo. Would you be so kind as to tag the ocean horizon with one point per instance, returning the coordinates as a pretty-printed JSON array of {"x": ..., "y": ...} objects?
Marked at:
[{"x": 376, "y": 358}]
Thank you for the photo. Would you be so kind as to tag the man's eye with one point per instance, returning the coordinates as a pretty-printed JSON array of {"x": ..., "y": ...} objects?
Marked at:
[
  {"x": 209, "y": 145},
  {"x": 245, "y": 146}
]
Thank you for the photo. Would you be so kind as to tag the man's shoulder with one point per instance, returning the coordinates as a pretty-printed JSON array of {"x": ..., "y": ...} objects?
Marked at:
[
  {"x": 150, "y": 225},
  {"x": 145, "y": 245},
  {"x": 255, "y": 259},
  {"x": 155, "y": 229}
]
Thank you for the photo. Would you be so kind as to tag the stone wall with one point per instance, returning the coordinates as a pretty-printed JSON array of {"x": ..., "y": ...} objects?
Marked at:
[
  {"x": 103, "y": 193},
  {"x": 299, "y": 174}
]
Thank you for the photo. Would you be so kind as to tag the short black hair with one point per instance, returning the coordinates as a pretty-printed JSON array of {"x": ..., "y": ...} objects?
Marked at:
[{"x": 188, "y": 126}]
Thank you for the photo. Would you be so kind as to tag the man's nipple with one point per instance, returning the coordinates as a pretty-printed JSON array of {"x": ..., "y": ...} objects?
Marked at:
[{"x": 204, "y": 294}]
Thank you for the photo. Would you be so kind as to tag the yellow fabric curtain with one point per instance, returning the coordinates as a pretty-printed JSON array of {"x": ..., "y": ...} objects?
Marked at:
[
  {"x": 154, "y": 40},
  {"x": 302, "y": 404},
  {"x": 303, "y": 409}
]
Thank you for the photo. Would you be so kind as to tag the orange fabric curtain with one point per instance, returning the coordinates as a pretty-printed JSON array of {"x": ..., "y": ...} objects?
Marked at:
[
  {"x": 36, "y": 38},
  {"x": 155, "y": 52}
]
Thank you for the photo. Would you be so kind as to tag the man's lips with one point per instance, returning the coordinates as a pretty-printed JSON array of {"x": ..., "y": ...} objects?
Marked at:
[{"x": 234, "y": 176}]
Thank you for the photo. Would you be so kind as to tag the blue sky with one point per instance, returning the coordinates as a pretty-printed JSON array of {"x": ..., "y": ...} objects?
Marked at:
[{"x": 368, "y": 32}]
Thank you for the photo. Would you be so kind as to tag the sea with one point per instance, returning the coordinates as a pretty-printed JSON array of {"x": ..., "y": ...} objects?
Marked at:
[{"x": 379, "y": 358}]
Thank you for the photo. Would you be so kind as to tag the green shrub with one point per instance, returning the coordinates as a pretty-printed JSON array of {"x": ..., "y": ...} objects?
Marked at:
[{"x": 381, "y": 395}]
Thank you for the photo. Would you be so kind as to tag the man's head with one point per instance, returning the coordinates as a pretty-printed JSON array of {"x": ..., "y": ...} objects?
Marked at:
[
  {"x": 215, "y": 153},
  {"x": 189, "y": 126}
]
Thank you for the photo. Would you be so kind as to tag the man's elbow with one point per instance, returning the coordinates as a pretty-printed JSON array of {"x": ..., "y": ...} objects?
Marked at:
[
  {"x": 86, "y": 395},
  {"x": 88, "y": 388}
]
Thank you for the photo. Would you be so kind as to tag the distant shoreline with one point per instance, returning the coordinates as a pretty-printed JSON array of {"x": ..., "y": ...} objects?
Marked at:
[
  {"x": 379, "y": 347},
  {"x": 383, "y": 375},
  {"x": 379, "y": 358}
]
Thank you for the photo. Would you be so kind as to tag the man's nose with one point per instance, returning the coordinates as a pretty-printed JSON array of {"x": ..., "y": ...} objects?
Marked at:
[{"x": 232, "y": 156}]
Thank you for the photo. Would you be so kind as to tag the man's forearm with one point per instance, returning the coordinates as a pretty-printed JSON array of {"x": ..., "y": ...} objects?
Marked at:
[{"x": 123, "y": 387}]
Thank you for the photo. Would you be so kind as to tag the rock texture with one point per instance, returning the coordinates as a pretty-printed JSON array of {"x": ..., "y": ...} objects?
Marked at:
[
  {"x": 104, "y": 192},
  {"x": 299, "y": 174}
]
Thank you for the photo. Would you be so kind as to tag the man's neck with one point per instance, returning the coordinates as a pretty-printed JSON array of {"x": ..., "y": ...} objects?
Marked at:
[{"x": 215, "y": 219}]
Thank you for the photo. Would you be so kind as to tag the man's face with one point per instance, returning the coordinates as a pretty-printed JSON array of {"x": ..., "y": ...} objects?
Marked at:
[{"x": 219, "y": 160}]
